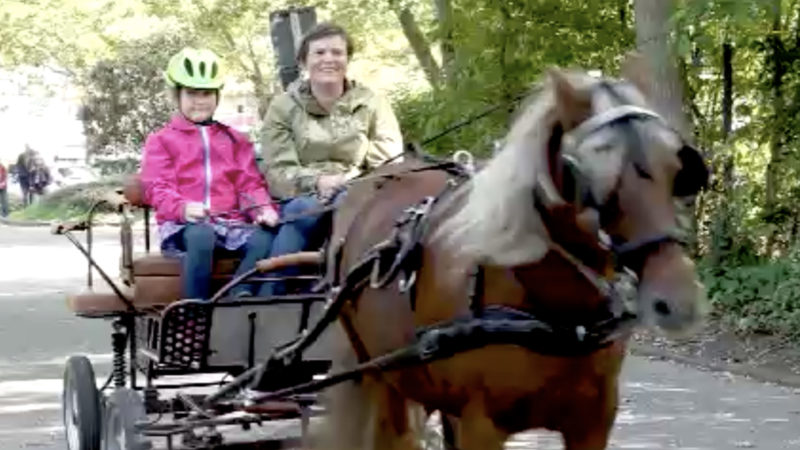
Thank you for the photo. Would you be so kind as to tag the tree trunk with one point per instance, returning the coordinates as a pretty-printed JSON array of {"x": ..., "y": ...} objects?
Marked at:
[
  {"x": 444, "y": 14},
  {"x": 776, "y": 63},
  {"x": 652, "y": 39},
  {"x": 727, "y": 89},
  {"x": 416, "y": 39},
  {"x": 722, "y": 242},
  {"x": 260, "y": 84},
  {"x": 622, "y": 9},
  {"x": 665, "y": 85}
]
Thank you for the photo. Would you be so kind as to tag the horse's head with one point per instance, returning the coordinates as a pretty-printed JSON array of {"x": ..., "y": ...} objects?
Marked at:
[
  {"x": 629, "y": 166},
  {"x": 592, "y": 146}
]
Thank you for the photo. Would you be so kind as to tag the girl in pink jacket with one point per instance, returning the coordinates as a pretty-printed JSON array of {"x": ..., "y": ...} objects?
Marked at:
[{"x": 201, "y": 178}]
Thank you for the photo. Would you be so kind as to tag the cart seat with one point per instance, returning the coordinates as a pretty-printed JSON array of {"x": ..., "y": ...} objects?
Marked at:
[
  {"x": 157, "y": 278},
  {"x": 99, "y": 304},
  {"x": 154, "y": 264}
]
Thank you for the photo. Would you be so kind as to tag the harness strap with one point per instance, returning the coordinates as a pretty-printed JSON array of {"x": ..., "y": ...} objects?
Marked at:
[
  {"x": 476, "y": 291},
  {"x": 501, "y": 325}
]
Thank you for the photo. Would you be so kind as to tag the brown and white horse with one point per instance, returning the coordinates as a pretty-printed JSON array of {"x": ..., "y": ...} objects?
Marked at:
[{"x": 585, "y": 158}]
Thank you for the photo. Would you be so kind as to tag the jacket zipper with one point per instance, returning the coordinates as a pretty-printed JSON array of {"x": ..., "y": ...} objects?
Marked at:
[{"x": 207, "y": 161}]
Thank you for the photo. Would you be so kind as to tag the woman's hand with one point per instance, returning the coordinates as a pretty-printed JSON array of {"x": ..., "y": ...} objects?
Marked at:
[
  {"x": 268, "y": 217},
  {"x": 194, "y": 211},
  {"x": 328, "y": 184}
]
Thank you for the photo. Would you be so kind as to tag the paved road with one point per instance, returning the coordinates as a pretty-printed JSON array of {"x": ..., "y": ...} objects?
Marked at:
[{"x": 665, "y": 406}]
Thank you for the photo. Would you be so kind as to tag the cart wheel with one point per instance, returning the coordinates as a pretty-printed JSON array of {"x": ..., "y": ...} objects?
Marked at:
[
  {"x": 123, "y": 408},
  {"x": 81, "y": 405}
]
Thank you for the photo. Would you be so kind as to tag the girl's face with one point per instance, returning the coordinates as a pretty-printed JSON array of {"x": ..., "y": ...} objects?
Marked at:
[
  {"x": 197, "y": 104},
  {"x": 326, "y": 60}
]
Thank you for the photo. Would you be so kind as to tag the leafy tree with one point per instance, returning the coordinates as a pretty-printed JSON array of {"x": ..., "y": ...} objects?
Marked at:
[
  {"x": 126, "y": 100},
  {"x": 236, "y": 29}
]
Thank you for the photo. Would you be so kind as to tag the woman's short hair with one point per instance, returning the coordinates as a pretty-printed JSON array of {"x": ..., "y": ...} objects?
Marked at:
[{"x": 319, "y": 31}]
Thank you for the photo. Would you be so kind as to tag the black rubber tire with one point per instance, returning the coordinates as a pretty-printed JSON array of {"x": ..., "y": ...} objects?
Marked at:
[
  {"x": 80, "y": 403},
  {"x": 123, "y": 408}
]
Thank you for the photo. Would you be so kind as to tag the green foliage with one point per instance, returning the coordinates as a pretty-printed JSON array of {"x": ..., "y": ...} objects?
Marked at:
[
  {"x": 502, "y": 49},
  {"x": 126, "y": 100},
  {"x": 71, "y": 202},
  {"x": 756, "y": 298}
]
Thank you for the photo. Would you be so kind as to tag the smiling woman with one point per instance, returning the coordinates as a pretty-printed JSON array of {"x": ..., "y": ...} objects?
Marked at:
[{"x": 325, "y": 130}]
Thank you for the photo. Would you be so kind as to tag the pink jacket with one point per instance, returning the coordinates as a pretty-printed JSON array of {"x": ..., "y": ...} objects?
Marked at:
[{"x": 178, "y": 167}]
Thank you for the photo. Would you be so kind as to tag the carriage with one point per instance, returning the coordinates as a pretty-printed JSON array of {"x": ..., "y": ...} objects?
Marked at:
[
  {"x": 495, "y": 335},
  {"x": 157, "y": 337}
]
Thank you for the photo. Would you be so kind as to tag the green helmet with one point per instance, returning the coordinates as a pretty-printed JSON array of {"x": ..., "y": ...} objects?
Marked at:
[{"x": 195, "y": 68}]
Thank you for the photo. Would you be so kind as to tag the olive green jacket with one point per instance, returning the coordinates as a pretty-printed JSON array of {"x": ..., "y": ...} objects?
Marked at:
[{"x": 302, "y": 141}]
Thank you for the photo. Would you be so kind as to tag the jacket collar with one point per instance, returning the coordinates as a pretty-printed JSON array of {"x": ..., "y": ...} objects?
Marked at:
[
  {"x": 354, "y": 96},
  {"x": 179, "y": 122}
]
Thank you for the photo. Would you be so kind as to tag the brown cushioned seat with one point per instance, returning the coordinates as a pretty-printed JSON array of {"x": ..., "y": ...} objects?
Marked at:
[
  {"x": 90, "y": 303},
  {"x": 156, "y": 264}
]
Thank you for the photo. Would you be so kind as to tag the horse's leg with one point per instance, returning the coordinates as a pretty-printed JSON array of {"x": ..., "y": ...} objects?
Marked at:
[
  {"x": 591, "y": 426},
  {"x": 388, "y": 426},
  {"x": 449, "y": 431},
  {"x": 477, "y": 431},
  {"x": 365, "y": 415},
  {"x": 593, "y": 437},
  {"x": 347, "y": 403},
  {"x": 348, "y": 407}
]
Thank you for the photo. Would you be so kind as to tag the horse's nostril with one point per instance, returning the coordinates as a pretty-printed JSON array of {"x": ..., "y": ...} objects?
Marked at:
[{"x": 662, "y": 307}]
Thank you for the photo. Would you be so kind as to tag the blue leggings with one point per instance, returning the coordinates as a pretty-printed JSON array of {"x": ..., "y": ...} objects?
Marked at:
[{"x": 199, "y": 241}]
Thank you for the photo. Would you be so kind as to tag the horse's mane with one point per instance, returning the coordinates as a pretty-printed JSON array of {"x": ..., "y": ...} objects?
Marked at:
[{"x": 497, "y": 221}]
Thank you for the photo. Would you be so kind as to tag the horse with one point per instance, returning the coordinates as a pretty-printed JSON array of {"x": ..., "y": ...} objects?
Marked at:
[{"x": 516, "y": 265}]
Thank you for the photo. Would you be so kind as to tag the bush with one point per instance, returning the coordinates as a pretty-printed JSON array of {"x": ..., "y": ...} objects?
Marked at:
[
  {"x": 72, "y": 202},
  {"x": 426, "y": 114},
  {"x": 758, "y": 298}
]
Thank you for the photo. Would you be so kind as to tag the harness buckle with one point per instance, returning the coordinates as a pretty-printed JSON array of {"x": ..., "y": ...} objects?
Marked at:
[
  {"x": 405, "y": 284},
  {"x": 580, "y": 332},
  {"x": 465, "y": 159}
]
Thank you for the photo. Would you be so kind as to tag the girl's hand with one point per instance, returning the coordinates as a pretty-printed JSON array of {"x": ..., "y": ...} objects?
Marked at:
[
  {"x": 194, "y": 211},
  {"x": 268, "y": 217}
]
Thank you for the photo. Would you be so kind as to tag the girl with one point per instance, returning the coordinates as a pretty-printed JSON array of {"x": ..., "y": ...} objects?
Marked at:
[{"x": 202, "y": 180}]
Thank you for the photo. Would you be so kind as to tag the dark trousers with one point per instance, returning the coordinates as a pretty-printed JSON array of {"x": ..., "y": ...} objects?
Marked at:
[{"x": 199, "y": 241}]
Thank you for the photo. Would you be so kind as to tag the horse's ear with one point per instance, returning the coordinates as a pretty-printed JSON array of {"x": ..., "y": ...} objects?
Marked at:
[
  {"x": 635, "y": 70},
  {"x": 572, "y": 106}
]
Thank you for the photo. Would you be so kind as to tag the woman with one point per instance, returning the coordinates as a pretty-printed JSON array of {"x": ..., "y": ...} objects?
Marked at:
[
  {"x": 322, "y": 132},
  {"x": 202, "y": 180}
]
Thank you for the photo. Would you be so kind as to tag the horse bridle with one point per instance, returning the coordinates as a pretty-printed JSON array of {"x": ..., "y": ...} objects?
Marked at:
[{"x": 630, "y": 254}]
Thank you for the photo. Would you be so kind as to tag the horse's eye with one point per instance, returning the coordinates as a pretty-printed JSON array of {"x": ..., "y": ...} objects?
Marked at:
[
  {"x": 604, "y": 148},
  {"x": 642, "y": 172}
]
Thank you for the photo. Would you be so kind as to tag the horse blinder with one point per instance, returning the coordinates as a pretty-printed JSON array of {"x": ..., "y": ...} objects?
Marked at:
[{"x": 693, "y": 175}]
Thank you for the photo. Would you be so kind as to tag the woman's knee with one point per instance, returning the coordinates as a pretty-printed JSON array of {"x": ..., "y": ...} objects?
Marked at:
[
  {"x": 199, "y": 237},
  {"x": 300, "y": 205},
  {"x": 260, "y": 241},
  {"x": 300, "y": 212}
]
